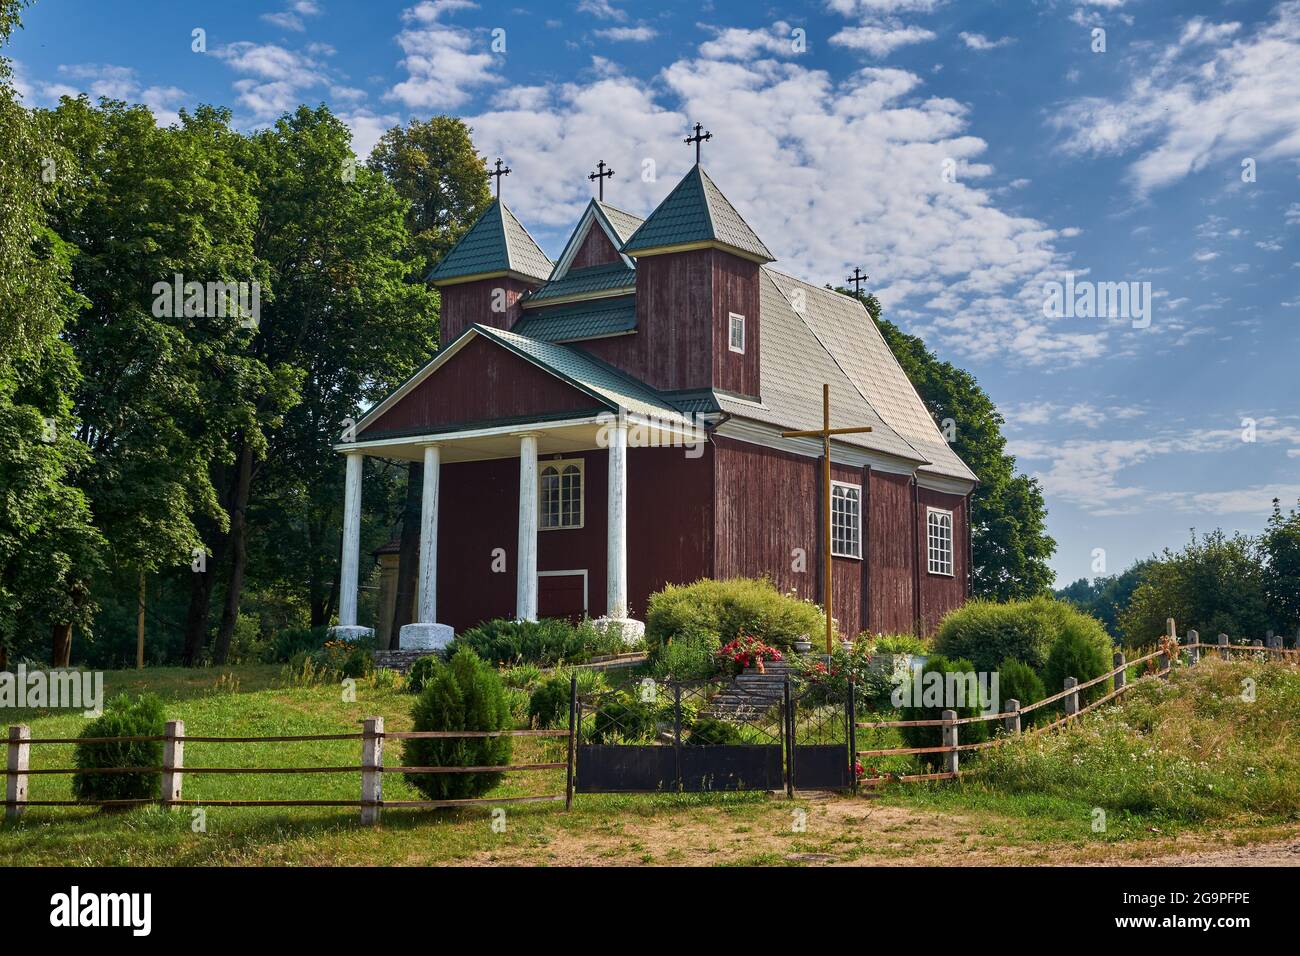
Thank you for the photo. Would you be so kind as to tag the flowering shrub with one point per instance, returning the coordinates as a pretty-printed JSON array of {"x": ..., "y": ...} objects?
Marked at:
[
  {"x": 872, "y": 685},
  {"x": 747, "y": 651}
]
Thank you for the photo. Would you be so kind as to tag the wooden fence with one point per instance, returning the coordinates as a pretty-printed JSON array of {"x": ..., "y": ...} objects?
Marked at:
[
  {"x": 371, "y": 768},
  {"x": 1012, "y": 716}
]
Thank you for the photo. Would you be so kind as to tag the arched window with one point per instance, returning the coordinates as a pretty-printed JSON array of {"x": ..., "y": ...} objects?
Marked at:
[{"x": 561, "y": 495}]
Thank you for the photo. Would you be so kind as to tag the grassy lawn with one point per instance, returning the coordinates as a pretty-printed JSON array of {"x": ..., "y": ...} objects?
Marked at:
[{"x": 1198, "y": 772}]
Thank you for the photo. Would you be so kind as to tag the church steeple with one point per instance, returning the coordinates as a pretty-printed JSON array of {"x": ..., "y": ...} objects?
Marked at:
[
  {"x": 696, "y": 215},
  {"x": 496, "y": 245}
]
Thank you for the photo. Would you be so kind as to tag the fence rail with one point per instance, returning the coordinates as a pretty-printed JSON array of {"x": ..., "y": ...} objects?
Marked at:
[
  {"x": 950, "y": 722},
  {"x": 371, "y": 768}
]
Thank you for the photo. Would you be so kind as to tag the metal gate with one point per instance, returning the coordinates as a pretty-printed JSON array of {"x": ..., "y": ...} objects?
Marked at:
[{"x": 820, "y": 734}]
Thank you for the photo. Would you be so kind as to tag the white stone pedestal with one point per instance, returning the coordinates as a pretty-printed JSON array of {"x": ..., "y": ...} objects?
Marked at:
[
  {"x": 351, "y": 632},
  {"x": 425, "y": 637},
  {"x": 631, "y": 630}
]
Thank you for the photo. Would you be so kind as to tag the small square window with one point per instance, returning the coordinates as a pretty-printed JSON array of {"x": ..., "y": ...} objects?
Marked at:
[{"x": 736, "y": 333}]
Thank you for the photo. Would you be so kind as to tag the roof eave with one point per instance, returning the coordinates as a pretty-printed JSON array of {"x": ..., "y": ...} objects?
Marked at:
[{"x": 752, "y": 256}]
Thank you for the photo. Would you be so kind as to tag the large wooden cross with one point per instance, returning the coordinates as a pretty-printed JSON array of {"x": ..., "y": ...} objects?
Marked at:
[{"x": 825, "y": 433}]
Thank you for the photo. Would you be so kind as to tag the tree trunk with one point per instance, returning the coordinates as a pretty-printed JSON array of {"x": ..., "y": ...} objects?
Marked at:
[
  {"x": 4, "y": 658},
  {"x": 196, "y": 619},
  {"x": 238, "y": 542},
  {"x": 408, "y": 555},
  {"x": 61, "y": 635},
  {"x": 139, "y": 628}
]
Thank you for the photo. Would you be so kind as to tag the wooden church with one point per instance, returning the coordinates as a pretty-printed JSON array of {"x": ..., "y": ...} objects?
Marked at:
[{"x": 597, "y": 427}]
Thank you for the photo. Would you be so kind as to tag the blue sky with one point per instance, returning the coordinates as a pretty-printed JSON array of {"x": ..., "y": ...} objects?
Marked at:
[{"x": 963, "y": 154}]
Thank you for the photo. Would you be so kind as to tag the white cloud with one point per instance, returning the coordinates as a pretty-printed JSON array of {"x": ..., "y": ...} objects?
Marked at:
[
  {"x": 735, "y": 43},
  {"x": 1185, "y": 111},
  {"x": 978, "y": 41},
  {"x": 971, "y": 273},
  {"x": 276, "y": 76},
  {"x": 367, "y": 127},
  {"x": 878, "y": 7},
  {"x": 291, "y": 17},
  {"x": 444, "y": 63},
  {"x": 880, "y": 40},
  {"x": 602, "y": 9},
  {"x": 104, "y": 80},
  {"x": 631, "y": 34}
]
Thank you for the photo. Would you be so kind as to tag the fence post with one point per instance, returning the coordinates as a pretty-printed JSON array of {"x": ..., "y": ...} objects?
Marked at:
[
  {"x": 173, "y": 761},
  {"x": 950, "y": 761},
  {"x": 789, "y": 739},
  {"x": 1121, "y": 676},
  {"x": 1223, "y": 643},
  {"x": 1193, "y": 651},
  {"x": 16, "y": 775},
  {"x": 853, "y": 736},
  {"x": 677, "y": 734},
  {"x": 573, "y": 742},
  {"x": 1171, "y": 629},
  {"x": 372, "y": 772},
  {"x": 1071, "y": 700},
  {"x": 1012, "y": 720}
]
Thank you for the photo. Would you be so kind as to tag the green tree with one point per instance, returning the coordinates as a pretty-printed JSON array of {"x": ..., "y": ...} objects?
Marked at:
[
  {"x": 1010, "y": 546},
  {"x": 49, "y": 548},
  {"x": 1105, "y": 597},
  {"x": 1215, "y": 585},
  {"x": 1281, "y": 544}
]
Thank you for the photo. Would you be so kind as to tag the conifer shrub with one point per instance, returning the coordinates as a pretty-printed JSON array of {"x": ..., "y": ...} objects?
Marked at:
[
  {"x": 466, "y": 693},
  {"x": 1017, "y": 681},
  {"x": 1074, "y": 655},
  {"x": 122, "y": 717},
  {"x": 549, "y": 642},
  {"x": 548, "y": 705},
  {"x": 924, "y": 709}
]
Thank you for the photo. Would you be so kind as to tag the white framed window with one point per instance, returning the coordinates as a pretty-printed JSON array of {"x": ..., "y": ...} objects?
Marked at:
[
  {"x": 736, "y": 332},
  {"x": 938, "y": 536},
  {"x": 846, "y": 520},
  {"x": 560, "y": 493}
]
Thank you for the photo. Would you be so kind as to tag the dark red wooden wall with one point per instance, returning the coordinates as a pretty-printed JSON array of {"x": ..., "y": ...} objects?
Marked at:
[
  {"x": 596, "y": 250},
  {"x": 940, "y": 593},
  {"x": 467, "y": 303},
  {"x": 481, "y": 382}
]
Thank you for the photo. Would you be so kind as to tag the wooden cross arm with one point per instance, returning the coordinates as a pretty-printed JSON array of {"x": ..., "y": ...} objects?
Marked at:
[{"x": 825, "y": 432}]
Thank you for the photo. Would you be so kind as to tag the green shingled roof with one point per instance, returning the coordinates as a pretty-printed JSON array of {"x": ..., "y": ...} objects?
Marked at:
[
  {"x": 588, "y": 281},
  {"x": 582, "y": 320},
  {"x": 496, "y": 243},
  {"x": 624, "y": 223},
  {"x": 589, "y": 373},
  {"x": 696, "y": 212}
]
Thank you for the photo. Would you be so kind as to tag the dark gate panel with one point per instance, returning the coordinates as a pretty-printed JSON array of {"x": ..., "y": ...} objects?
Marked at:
[
  {"x": 821, "y": 766},
  {"x": 625, "y": 768},
  {"x": 732, "y": 767}
]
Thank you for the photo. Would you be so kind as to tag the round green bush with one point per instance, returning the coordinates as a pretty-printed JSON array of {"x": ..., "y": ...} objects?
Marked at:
[
  {"x": 1074, "y": 655},
  {"x": 987, "y": 633},
  {"x": 625, "y": 719},
  {"x": 122, "y": 717},
  {"x": 549, "y": 704},
  {"x": 1017, "y": 681},
  {"x": 721, "y": 611},
  {"x": 464, "y": 694},
  {"x": 712, "y": 731},
  {"x": 418, "y": 676},
  {"x": 917, "y": 710}
]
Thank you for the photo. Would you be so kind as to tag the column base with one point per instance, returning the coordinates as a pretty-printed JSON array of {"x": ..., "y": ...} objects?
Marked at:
[
  {"x": 632, "y": 631},
  {"x": 425, "y": 637},
  {"x": 351, "y": 632}
]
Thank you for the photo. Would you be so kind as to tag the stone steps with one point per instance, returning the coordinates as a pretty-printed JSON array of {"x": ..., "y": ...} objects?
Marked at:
[
  {"x": 752, "y": 693},
  {"x": 400, "y": 661}
]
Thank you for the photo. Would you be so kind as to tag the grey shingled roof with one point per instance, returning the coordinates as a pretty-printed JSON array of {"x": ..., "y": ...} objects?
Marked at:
[
  {"x": 497, "y": 242},
  {"x": 794, "y": 364},
  {"x": 624, "y": 223},
  {"x": 845, "y": 330},
  {"x": 593, "y": 279},
  {"x": 581, "y": 320},
  {"x": 696, "y": 211},
  {"x": 579, "y": 368}
]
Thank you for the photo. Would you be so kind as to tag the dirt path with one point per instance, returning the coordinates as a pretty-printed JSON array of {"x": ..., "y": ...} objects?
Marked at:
[{"x": 1263, "y": 854}]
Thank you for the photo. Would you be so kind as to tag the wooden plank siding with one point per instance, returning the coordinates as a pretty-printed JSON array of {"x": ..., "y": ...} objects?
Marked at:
[
  {"x": 768, "y": 503},
  {"x": 596, "y": 250},
  {"x": 891, "y": 577},
  {"x": 669, "y": 522},
  {"x": 482, "y": 382},
  {"x": 682, "y": 303},
  {"x": 467, "y": 303},
  {"x": 941, "y": 593}
]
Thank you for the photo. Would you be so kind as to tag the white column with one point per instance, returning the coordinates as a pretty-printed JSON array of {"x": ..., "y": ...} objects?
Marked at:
[
  {"x": 429, "y": 536},
  {"x": 616, "y": 530},
  {"x": 426, "y": 634},
  {"x": 347, "y": 627},
  {"x": 614, "y": 438},
  {"x": 526, "y": 562}
]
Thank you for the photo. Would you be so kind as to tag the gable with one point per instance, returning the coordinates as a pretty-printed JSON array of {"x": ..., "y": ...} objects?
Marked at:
[
  {"x": 481, "y": 384},
  {"x": 595, "y": 250}
]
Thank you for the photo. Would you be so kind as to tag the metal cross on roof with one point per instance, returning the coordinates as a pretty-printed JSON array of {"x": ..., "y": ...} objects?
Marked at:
[
  {"x": 600, "y": 176},
  {"x": 825, "y": 433},
  {"x": 857, "y": 279},
  {"x": 697, "y": 139},
  {"x": 497, "y": 174}
]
